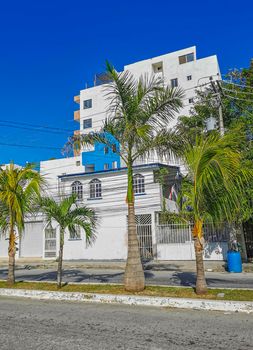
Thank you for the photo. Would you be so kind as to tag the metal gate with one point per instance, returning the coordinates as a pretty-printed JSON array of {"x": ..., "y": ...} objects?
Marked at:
[
  {"x": 248, "y": 236},
  {"x": 144, "y": 233},
  {"x": 50, "y": 242}
]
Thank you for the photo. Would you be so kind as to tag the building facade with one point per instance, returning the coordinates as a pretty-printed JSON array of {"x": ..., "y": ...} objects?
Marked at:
[{"x": 99, "y": 178}]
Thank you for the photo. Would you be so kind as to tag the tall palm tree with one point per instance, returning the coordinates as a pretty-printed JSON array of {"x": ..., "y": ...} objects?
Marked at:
[
  {"x": 215, "y": 187},
  {"x": 19, "y": 189},
  {"x": 138, "y": 111},
  {"x": 69, "y": 216}
]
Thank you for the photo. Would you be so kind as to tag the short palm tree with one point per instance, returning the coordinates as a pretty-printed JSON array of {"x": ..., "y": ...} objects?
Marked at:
[
  {"x": 19, "y": 190},
  {"x": 69, "y": 217},
  {"x": 215, "y": 189},
  {"x": 139, "y": 110}
]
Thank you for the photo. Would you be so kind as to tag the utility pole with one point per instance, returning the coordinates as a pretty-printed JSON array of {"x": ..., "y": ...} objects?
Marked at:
[{"x": 217, "y": 92}]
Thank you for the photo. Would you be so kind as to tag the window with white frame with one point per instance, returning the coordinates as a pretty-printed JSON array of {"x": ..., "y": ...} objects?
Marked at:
[
  {"x": 106, "y": 166},
  {"x": 114, "y": 164},
  {"x": 138, "y": 184},
  {"x": 189, "y": 77},
  {"x": 77, "y": 189},
  {"x": 95, "y": 189},
  {"x": 75, "y": 234}
]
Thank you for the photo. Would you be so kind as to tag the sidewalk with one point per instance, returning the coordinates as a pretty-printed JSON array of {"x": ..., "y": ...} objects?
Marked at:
[{"x": 155, "y": 265}]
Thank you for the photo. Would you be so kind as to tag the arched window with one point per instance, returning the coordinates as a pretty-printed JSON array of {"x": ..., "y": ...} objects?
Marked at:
[
  {"x": 138, "y": 184},
  {"x": 95, "y": 189},
  {"x": 77, "y": 189}
]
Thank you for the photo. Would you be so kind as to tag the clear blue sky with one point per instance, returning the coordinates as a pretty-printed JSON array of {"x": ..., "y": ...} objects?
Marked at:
[{"x": 50, "y": 48}]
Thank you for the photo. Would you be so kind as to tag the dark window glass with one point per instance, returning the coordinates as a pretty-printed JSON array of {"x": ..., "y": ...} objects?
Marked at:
[
  {"x": 89, "y": 168},
  {"x": 189, "y": 77},
  {"x": 174, "y": 83},
  {"x": 87, "y": 123},
  {"x": 87, "y": 104}
]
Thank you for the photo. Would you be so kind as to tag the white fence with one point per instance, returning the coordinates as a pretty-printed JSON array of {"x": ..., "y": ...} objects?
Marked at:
[{"x": 174, "y": 241}]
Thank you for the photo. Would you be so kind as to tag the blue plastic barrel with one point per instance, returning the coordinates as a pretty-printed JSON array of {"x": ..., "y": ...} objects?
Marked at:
[{"x": 234, "y": 261}]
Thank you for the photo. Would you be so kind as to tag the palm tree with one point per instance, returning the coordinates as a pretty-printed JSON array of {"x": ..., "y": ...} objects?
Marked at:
[
  {"x": 69, "y": 216},
  {"x": 215, "y": 187},
  {"x": 19, "y": 189},
  {"x": 139, "y": 110}
]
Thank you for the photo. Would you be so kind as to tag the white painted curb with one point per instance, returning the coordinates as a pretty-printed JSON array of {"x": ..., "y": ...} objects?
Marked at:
[{"x": 182, "y": 303}]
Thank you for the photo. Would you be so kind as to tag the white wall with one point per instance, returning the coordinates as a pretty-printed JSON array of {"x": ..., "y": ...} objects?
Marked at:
[
  {"x": 51, "y": 169},
  {"x": 32, "y": 240}
]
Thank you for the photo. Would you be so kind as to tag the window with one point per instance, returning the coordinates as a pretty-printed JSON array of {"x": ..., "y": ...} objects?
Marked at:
[
  {"x": 174, "y": 83},
  {"x": 189, "y": 77},
  {"x": 106, "y": 150},
  {"x": 95, "y": 189},
  {"x": 106, "y": 166},
  {"x": 157, "y": 67},
  {"x": 87, "y": 123},
  {"x": 190, "y": 100},
  {"x": 75, "y": 235},
  {"x": 89, "y": 168},
  {"x": 114, "y": 165},
  {"x": 78, "y": 163},
  {"x": 114, "y": 148},
  {"x": 87, "y": 104},
  {"x": 77, "y": 189},
  {"x": 186, "y": 58},
  {"x": 139, "y": 184}
]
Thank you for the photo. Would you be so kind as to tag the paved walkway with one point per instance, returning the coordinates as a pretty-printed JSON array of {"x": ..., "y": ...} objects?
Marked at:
[
  {"x": 43, "y": 325},
  {"x": 167, "y": 278}
]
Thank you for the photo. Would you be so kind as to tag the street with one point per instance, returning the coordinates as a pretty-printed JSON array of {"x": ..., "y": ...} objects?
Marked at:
[
  {"x": 169, "y": 278},
  {"x": 29, "y": 324}
]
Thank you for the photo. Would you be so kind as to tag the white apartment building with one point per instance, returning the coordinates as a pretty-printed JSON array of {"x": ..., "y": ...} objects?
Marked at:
[{"x": 99, "y": 178}]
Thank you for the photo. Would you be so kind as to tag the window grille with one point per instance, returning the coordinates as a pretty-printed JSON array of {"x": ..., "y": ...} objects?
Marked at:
[
  {"x": 77, "y": 189},
  {"x": 138, "y": 184},
  {"x": 95, "y": 189},
  {"x": 75, "y": 235}
]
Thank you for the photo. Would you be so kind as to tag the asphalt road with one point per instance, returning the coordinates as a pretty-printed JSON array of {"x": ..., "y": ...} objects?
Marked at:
[
  {"x": 43, "y": 325},
  {"x": 169, "y": 278}
]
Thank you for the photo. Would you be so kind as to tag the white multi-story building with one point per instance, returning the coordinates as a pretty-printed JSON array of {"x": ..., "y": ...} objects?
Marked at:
[{"x": 98, "y": 177}]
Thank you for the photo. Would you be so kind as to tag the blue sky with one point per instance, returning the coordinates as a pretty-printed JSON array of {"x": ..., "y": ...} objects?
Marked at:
[{"x": 50, "y": 49}]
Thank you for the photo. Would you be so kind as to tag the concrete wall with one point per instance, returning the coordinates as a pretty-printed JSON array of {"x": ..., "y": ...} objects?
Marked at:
[
  {"x": 32, "y": 240},
  {"x": 51, "y": 169}
]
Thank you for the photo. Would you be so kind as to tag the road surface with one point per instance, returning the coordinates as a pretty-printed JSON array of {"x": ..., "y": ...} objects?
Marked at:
[
  {"x": 44, "y": 325},
  {"x": 169, "y": 278}
]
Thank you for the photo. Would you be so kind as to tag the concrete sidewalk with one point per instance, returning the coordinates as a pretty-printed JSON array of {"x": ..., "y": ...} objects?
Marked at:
[{"x": 155, "y": 265}]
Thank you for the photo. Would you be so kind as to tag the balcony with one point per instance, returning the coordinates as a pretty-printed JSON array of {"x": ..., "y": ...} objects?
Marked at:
[
  {"x": 77, "y": 116},
  {"x": 77, "y": 99}
]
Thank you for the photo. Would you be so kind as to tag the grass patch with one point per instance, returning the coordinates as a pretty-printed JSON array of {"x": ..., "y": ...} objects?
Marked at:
[{"x": 155, "y": 291}]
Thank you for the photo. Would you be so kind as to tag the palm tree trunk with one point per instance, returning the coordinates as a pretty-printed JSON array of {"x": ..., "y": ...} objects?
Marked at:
[
  {"x": 134, "y": 276},
  {"x": 11, "y": 253},
  {"x": 201, "y": 286},
  {"x": 60, "y": 258}
]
